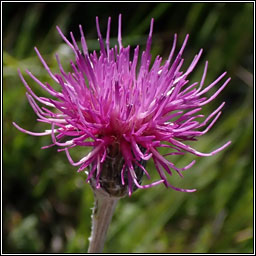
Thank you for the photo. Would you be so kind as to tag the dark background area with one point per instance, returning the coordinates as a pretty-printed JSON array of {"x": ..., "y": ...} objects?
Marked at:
[{"x": 47, "y": 205}]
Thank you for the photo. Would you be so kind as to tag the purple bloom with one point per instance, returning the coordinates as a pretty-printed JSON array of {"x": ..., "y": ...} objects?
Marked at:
[{"x": 118, "y": 107}]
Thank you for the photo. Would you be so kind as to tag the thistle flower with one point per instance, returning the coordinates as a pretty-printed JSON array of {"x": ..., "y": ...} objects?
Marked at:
[{"x": 124, "y": 111}]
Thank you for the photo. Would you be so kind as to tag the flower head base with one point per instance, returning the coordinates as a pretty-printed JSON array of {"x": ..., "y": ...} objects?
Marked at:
[{"x": 124, "y": 111}]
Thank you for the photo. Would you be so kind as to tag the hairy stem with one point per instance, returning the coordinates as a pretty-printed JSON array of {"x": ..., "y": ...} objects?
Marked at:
[{"x": 102, "y": 214}]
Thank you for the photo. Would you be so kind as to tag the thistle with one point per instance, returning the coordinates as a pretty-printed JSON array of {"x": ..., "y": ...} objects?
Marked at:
[{"x": 125, "y": 112}]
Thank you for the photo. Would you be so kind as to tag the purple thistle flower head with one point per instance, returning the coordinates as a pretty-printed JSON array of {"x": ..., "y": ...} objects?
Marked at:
[{"x": 124, "y": 110}]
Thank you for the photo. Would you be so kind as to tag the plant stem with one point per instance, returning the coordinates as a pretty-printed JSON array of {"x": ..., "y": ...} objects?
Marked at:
[{"x": 102, "y": 214}]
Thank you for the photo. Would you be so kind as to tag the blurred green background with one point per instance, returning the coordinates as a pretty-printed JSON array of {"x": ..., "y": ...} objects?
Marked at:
[{"x": 47, "y": 205}]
